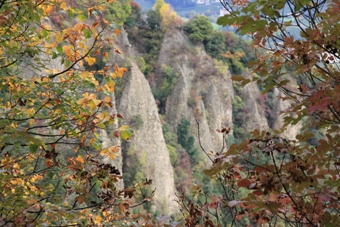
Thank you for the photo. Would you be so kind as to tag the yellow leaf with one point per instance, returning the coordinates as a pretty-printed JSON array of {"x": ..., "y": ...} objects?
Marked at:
[
  {"x": 105, "y": 152},
  {"x": 90, "y": 60},
  {"x": 48, "y": 9},
  {"x": 99, "y": 118},
  {"x": 113, "y": 75},
  {"x": 67, "y": 50},
  {"x": 80, "y": 101},
  {"x": 120, "y": 71},
  {"x": 63, "y": 6},
  {"x": 89, "y": 11},
  {"x": 96, "y": 101},
  {"x": 110, "y": 85},
  {"x": 46, "y": 79},
  {"x": 80, "y": 159},
  {"x": 81, "y": 45},
  {"x": 97, "y": 220},
  {"x": 85, "y": 74},
  {"x": 107, "y": 99},
  {"x": 31, "y": 122},
  {"x": 59, "y": 37},
  {"x": 124, "y": 128},
  {"x": 92, "y": 105}
]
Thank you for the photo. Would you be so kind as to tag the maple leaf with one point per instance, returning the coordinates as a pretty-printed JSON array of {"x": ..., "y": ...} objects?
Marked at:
[
  {"x": 116, "y": 31},
  {"x": 90, "y": 60},
  {"x": 110, "y": 85},
  {"x": 120, "y": 71}
]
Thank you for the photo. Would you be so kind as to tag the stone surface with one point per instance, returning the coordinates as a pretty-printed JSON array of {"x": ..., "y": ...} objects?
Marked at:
[
  {"x": 137, "y": 99},
  {"x": 280, "y": 107}
]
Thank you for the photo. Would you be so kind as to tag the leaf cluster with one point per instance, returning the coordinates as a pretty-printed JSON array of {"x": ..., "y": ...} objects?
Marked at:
[
  {"x": 52, "y": 111},
  {"x": 269, "y": 179}
]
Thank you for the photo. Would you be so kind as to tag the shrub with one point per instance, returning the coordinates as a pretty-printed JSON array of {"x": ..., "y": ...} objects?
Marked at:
[
  {"x": 200, "y": 29},
  {"x": 136, "y": 121}
]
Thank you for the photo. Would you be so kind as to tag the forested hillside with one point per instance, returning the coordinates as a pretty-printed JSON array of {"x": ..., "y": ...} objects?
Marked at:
[{"x": 111, "y": 116}]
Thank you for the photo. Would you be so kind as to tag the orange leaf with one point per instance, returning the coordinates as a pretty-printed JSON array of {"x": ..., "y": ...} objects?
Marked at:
[
  {"x": 113, "y": 75},
  {"x": 116, "y": 31},
  {"x": 90, "y": 60},
  {"x": 95, "y": 24},
  {"x": 120, "y": 71},
  {"x": 48, "y": 9},
  {"x": 98, "y": 220},
  {"x": 120, "y": 116},
  {"x": 116, "y": 133},
  {"x": 107, "y": 99},
  {"x": 80, "y": 159},
  {"x": 115, "y": 149},
  {"x": 110, "y": 85},
  {"x": 49, "y": 163},
  {"x": 121, "y": 208}
]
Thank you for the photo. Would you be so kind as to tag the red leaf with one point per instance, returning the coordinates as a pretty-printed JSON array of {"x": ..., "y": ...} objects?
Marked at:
[
  {"x": 116, "y": 133},
  {"x": 257, "y": 193},
  {"x": 120, "y": 116},
  {"x": 244, "y": 183}
]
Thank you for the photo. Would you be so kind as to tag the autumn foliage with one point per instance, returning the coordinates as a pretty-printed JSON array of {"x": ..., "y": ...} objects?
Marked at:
[
  {"x": 269, "y": 179},
  {"x": 52, "y": 109}
]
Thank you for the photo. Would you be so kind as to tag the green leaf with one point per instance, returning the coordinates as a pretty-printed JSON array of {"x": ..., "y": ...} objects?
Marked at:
[
  {"x": 237, "y": 78},
  {"x": 305, "y": 136},
  {"x": 59, "y": 49},
  {"x": 67, "y": 63},
  {"x": 6, "y": 148},
  {"x": 125, "y": 135},
  {"x": 223, "y": 20},
  {"x": 245, "y": 82},
  {"x": 267, "y": 87},
  {"x": 87, "y": 33},
  {"x": 33, "y": 148},
  {"x": 98, "y": 185},
  {"x": 54, "y": 55},
  {"x": 81, "y": 17}
]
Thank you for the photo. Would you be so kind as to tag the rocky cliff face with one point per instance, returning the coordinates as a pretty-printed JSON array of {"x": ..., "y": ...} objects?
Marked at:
[
  {"x": 109, "y": 140},
  {"x": 255, "y": 116},
  {"x": 280, "y": 107},
  {"x": 203, "y": 92},
  {"x": 148, "y": 140},
  {"x": 202, "y": 85},
  {"x": 191, "y": 86}
]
